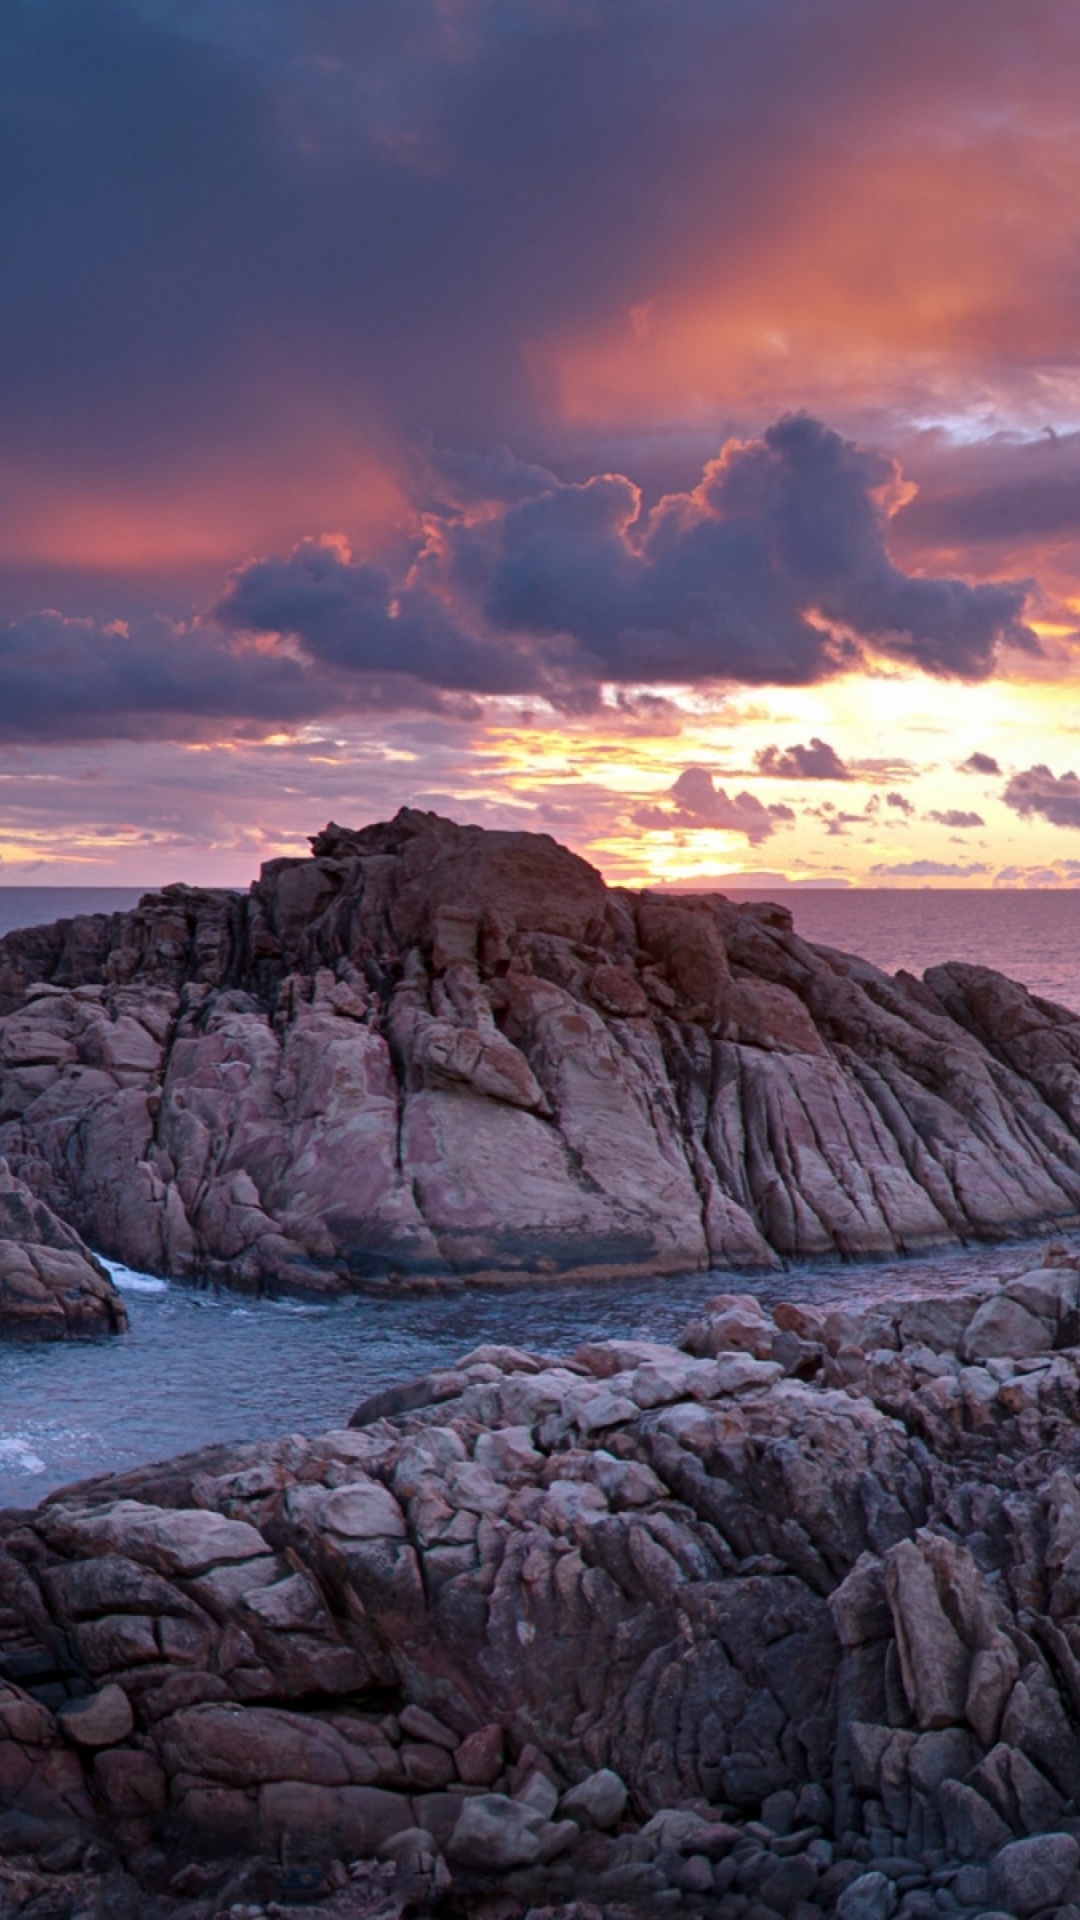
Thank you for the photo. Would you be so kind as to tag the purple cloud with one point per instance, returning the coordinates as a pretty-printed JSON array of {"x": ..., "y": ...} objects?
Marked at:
[
  {"x": 955, "y": 817},
  {"x": 1038, "y": 791},
  {"x": 817, "y": 761}
]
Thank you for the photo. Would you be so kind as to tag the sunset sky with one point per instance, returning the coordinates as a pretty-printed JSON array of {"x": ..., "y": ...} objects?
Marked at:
[{"x": 652, "y": 422}]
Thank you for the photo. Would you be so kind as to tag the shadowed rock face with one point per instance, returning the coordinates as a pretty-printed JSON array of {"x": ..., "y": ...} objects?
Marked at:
[
  {"x": 51, "y": 1287},
  {"x": 760, "y": 1616},
  {"x": 431, "y": 1053}
]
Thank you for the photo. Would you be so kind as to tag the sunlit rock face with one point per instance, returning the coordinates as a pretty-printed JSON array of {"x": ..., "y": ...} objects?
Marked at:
[
  {"x": 431, "y": 1053},
  {"x": 51, "y": 1286}
]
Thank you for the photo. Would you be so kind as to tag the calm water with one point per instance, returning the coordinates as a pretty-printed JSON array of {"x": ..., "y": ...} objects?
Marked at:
[
  {"x": 197, "y": 1367},
  {"x": 1033, "y": 937},
  {"x": 37, "y": 906}
]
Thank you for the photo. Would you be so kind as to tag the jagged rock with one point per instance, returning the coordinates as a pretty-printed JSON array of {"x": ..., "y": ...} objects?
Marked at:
[
  {"x": 933, "y": 1659},
  {"x": 787, "y": 1651},
  {"x": 431, "y": 1053},
  {"x": 51, "y": 1286}
]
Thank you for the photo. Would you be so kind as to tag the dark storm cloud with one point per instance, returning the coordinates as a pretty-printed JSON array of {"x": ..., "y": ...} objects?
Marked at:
[
  {"x": 1038, "y": 791},
  {"x": 956, "y": 817},
  {"x": 577, "y": 584},
  {"x": 74, "y": 679},
  {"x": 816, "y": 761},
  {"x": 385, "y": 206},
  {"x": 353, "y": 617},
  {"x": 979, "y": 763},
  {"x": 771, "y": 571}
]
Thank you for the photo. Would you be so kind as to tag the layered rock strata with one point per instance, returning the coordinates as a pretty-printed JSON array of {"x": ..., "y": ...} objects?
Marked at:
[
  {"x": 431, "y": 1053},
  {"x": 785, "y": 1621},
  {"x": 51, "y": 1286}
]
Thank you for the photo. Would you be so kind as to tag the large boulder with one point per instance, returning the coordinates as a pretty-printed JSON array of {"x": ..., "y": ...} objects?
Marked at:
[{"x": 431, "y": 1053}]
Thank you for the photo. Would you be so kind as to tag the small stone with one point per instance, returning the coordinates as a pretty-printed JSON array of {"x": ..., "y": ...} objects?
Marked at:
[
  {"x": 424, "y": 1726},
  {"x": 778, "y": 1811},
  {"x": 871, "y": 1897},
  {"x": 972, "y": 1886},
  {"x": 539, "y": 1793},
  {"x": 495, "y": 1834},
  {"x": 99, "y": 1720},
  {"x": 789, "y": 1881},
  {"x": 694, "y": 1875},
  {"x": 972, "y": 1829},
  {"x": 599, "y": 1801},
  {"x": 479, "y": 1758}
]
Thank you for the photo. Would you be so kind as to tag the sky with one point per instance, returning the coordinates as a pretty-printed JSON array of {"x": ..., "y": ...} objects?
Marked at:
[{"x": 651, "y": 422}]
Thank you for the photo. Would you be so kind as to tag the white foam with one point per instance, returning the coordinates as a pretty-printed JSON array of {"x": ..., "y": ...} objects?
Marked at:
[
  {"x": 20, "y": 1454},
  {"x": 129, "y": 1281}
]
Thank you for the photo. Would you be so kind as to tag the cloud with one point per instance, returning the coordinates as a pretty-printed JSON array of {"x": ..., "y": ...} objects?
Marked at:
[
  {"x": 700, "y": 803},
  {"x": 900, "y": 802},
  {"x": 1038, "y": 791},
  {"x": 357, "y": 618},
  {"x": 79, "y": 680},
  {"x": 774, "y": 569},
  {"x": 955, "y": 817},
  {"x": 929, "y": 870},
  {"x": 979, "y": 763},
  {"x": 817, "y": 761}
]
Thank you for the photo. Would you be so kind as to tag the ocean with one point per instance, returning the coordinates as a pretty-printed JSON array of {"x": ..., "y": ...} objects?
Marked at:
[
  {"x": 38, "y": 906},
  {"x": 199, "y": 1366}
]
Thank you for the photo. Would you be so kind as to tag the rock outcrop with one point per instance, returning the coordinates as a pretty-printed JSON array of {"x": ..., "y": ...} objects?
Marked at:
[
  {"x": 51, "y": 1286},
  {"x": 784, "y": 1621},
  {"x": 431, "y": 1053}
]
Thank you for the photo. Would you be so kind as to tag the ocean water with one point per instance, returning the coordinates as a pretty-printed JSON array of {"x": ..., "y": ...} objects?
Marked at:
[
  {"x": 199, "y": 1366},
  {"x": 37, "y": 906},
  {"x": 1032, "y": 936}
]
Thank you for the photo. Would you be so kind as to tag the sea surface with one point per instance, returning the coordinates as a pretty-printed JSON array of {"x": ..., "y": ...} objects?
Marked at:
[
  {"x": 38, "y": 906},
  {"x": 199, "y": 1366}
]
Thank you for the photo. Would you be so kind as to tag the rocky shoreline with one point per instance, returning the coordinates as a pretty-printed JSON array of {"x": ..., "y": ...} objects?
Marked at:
[
  {"x": 430, "y": 1055},
  {"x": 783, "y": 1621}
]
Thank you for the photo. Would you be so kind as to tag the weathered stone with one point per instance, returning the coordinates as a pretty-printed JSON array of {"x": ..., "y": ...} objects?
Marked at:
[
  {"x": 479, "y": 1758},
  {"x": 494, "y": 1833},
  {"x": 598, "y": 1801},
  {"x": 101, "y": 1719},
  {"x": 1031, "y": 1874},
  {"x": 1004, "y": 1326},
  {"x": 870, "y": 1897},
  {"x": 933, "y": 1659},
  {"x": 973, "y": 1830}
]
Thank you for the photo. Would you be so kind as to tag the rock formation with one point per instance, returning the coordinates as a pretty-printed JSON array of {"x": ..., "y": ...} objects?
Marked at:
[
  {"x": 51, "y": 1286},
  {"x": 431, "y": 1053},
  {"x": 781, "y": 1622}
]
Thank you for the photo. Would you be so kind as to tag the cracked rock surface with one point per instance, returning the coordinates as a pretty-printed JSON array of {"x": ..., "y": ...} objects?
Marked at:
[
  {"x": 51, "y": 1286},
  {"x": 431, "y": 1053},
  {"x": 783, "y": 1621}
]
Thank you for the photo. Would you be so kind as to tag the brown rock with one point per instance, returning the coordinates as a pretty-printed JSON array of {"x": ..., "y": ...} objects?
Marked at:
[
  {"x": 479, "y": 1758},
  {"x": 101, "y": 1719}
]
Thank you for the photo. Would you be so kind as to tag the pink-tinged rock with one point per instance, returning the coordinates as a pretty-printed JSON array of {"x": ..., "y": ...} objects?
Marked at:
[
  {"x": 100, "y": 1719},
  {"x": 479, "y": 1758}
]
